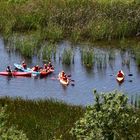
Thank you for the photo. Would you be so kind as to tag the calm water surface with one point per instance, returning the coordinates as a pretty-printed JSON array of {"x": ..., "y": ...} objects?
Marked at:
[{"x": 100, "y": 78}]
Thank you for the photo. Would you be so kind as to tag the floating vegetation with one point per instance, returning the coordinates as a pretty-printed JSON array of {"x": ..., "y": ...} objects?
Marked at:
[
  {"x": 67, "y": 56},
  {"x": 87, "y": 57}
]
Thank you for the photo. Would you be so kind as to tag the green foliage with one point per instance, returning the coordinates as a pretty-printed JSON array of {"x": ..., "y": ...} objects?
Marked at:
[
  {"x": 48, "y": 51},
  {"x": 42, "y": 119},
  {"x": 110, "y": 118},
  {"x": 9, "y": 132},
  {"x": 87, "y": 57},
  {"x": 54, "y": 32},
  {"x": 67, "y": 56},
  {"x": 17, "y": 1},
  {"x": 73, "y": 19}
]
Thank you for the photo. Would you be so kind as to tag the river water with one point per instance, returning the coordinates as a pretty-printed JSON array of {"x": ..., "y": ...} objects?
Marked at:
[{"x": 81, "y": 93}]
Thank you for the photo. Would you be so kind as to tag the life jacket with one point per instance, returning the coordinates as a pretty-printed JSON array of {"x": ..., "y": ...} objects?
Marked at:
[
  {"x": 35, "y": 68},
  {"x": 120, "y": 74},
  {"x": 24, "y": 65}
]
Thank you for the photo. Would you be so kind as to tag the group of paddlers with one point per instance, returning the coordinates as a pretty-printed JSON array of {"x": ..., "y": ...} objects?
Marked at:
[{"x": 46, "y": 67}]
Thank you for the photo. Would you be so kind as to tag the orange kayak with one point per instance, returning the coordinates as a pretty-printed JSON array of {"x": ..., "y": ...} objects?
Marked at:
[{"x": 120, "y": 79}]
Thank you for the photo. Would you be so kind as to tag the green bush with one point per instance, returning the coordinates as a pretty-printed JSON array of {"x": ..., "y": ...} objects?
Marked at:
[{"x": 110, "y": 118}]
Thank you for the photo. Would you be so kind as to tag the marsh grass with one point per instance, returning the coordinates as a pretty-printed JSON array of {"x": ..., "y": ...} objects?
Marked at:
[
  {"x": 25, "y": 46},
  {"x": 87, "y": 57},
  {"x": 48, "y": 52},
  {"x": 76, "y": 20},
  {"x": 67, "y": 56},
  {"x": 42, "y": 119}
]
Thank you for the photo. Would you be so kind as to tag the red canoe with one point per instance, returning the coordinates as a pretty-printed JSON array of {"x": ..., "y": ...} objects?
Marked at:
[
  {"x": 120, "y": 79},
  {"x": 15, "y": 73},
  {"x": 44, "y": 73}
]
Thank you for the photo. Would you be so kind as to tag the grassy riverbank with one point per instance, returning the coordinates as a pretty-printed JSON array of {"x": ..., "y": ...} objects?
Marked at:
[
  {"x": 71, "y": 19},
  {"x": 42, "y": 119},
  {"x": 53, "y": 120}
]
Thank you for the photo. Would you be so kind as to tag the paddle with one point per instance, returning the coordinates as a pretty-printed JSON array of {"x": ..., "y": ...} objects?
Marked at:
[{"x": 69, "y": 75}]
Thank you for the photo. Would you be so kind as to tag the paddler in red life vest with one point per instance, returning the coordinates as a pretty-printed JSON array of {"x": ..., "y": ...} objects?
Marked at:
[
  {"x": 35, "y": 68},
  {"x": 63, "y": 76},
  {"x": 120, "y": 74},
  {"x": 50, "y": 66},
  {"x": 45, "y": 66},
  {"x": 24, "y": 65}
]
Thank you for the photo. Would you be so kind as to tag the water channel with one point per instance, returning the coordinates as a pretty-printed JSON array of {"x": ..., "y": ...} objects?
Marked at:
[{"x": 100, "y": 78}]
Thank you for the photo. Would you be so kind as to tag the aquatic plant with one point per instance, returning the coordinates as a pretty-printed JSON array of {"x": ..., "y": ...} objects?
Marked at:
[
  {"x": 67, "y": 56},
  {"x": 87, "y": 57},
  {"x": 48, "y": 51},
  {"x": 25, "y": 46}
]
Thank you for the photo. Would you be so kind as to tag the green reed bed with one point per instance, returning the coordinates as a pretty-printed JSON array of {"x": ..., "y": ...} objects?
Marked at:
[
  {"x": 48, "y": 51},
  {"x": 67, "y": 56},
  {"x": 25, "y": 46},
  {"x": 76, "y": 20},
  {"x": 87, "y": 57},
  {"x": 42, "y": 119}
]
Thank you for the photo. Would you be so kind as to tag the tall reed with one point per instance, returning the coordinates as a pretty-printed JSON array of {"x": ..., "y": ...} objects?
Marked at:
[
  {"x": 48, "y": 51},
  {"x": 67, "y": 56},
  {"x": 87, "y": 57}
]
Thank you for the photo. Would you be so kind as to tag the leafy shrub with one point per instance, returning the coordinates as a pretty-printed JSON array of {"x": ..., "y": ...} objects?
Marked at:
[{"x": 109, "y": 118}]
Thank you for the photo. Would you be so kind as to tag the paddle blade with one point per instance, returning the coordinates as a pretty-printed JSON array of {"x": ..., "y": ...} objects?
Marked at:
[
  {"x": 72, "y": 84},
  {"x": 72, "y": 80}
]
